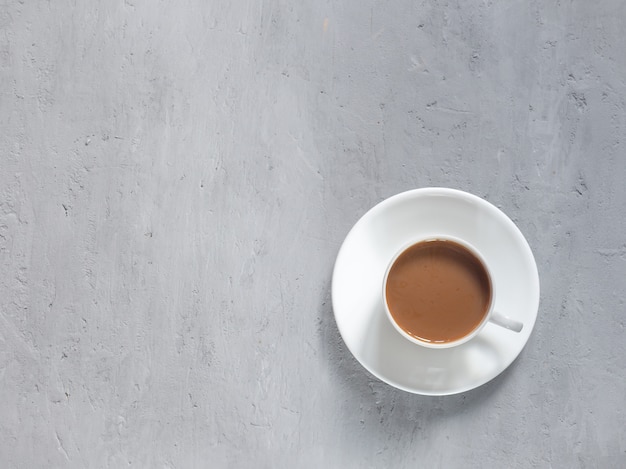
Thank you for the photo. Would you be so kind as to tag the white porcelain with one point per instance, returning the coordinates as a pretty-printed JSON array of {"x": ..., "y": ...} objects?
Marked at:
[
  {"x": 360, "y": 268},
  {"x": 477, "y": 329}
]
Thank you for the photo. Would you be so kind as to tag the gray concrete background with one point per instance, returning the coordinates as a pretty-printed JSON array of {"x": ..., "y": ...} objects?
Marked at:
[{"x": 177, "y": 177}]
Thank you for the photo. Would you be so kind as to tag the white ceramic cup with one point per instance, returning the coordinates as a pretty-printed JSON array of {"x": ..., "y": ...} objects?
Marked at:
[{"x": 491, "y": 315}]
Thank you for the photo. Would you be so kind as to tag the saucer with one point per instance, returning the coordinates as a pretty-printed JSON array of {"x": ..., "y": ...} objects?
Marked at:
[{"x": 357, "y": 290}]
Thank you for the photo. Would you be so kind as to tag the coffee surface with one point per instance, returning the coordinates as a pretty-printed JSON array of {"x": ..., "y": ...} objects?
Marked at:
[{"x": 438, "y": 291}]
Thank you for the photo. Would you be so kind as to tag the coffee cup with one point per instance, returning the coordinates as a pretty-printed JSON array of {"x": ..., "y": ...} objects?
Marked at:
[{"x": 438, "y": 292}]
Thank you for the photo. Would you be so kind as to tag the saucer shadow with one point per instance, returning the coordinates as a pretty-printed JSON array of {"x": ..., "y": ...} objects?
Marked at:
[{"x": 392, "y": 407}]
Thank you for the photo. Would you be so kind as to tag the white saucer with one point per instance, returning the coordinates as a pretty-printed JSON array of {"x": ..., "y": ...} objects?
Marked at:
[{"x": 357, "y": 290}]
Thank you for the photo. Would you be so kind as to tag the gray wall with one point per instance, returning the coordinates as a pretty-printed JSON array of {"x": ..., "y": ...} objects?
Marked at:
[{"x": 177, "y": 177}]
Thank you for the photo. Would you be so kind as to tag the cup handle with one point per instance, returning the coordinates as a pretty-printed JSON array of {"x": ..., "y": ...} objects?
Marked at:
[{"x": 506, "y": 322}]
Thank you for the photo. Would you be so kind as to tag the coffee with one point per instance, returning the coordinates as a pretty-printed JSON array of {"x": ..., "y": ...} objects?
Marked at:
[{"x": 438, "y": 291}]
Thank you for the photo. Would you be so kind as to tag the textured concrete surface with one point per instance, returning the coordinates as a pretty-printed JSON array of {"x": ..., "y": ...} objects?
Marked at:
[{"x": 177, "y": 177}]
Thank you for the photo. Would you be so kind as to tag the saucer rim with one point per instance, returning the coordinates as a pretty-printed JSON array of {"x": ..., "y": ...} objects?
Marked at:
[{"x": 455, "y": 193}]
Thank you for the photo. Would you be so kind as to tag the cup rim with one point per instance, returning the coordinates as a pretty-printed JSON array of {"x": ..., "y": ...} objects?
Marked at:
[{"x": 481, "y": 259}]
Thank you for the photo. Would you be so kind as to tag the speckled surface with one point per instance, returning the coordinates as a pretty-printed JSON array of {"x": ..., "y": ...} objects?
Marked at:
[{"x": 177, "y": 177}]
